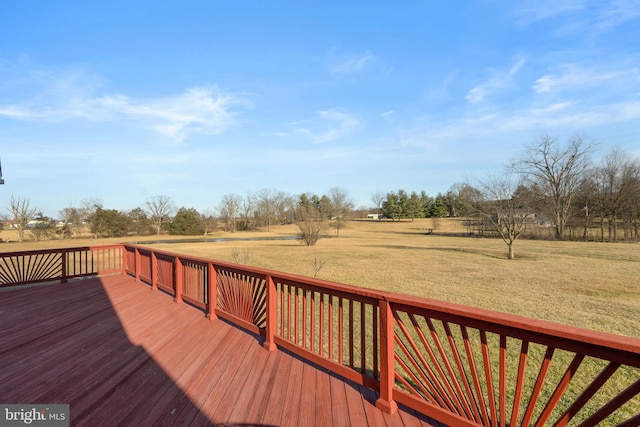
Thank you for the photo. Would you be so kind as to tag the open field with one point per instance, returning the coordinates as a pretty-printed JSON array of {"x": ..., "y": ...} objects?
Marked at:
[{"x": 591, "y": 285}]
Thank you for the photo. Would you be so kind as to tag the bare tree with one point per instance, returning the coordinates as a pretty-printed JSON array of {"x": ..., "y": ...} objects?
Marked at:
[
  {"x": 284, "y": 205},
  {"x": 341, "y": 207},
  {"x": 23, "y": 213},
  {"x": 466, "y": 201},
  {"x": 465, "y": 198},
  {"x": 241, "y": 257},
  {"x": 43, "y": 228},
  {"x": 208, "y": 221},
  {"x": 71, "y": 220},
  {"x": 310, "y": 224},
  {"x": 559, "y": 172},
  {"x": 317, "y": 265},
  {"x": 88, "y": 208},
  {"x": 378, "y": 198},
  {"x": 631, "y": 210},
  {"x": 160, "y": 210},
  {"x": 247, "y": 212},
  {"x": 229, "y": 210},
  {"x": 615, "y": 190},
  {"x": 505, "y": 208},
  {"x": 267, "y": 205}
]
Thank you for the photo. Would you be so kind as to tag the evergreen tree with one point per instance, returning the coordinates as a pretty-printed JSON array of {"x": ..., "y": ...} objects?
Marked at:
[
  {"x": 426, "y": 204},
  {"x": 187, "y": 222},
  {"x": 440, "y": 207},
  {"x": 391, "y": 207},
  {"x": 413, "y": 208},
  {"x": 108, "y": 223},
  {"x": 139, "y": 223}
]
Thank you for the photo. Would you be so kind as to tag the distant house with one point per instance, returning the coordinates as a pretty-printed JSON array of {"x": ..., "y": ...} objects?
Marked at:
[
  {"x": 10, "y": 224},
  {"x": 373, "y": 216}
]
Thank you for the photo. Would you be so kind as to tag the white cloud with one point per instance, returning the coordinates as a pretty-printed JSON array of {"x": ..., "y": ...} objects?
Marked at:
[
  {"x": 616, "y": 13},
  {"x": 499, "y": 81},
  {"x": 578, "y": 16},
  {"x": 15, "y": 112},
  {"x": 388, "y": 116},
  {"x": 506, "y": 123},
  {"x": 531, "y": 11},
  {"x": 569, "y": 77},
  {"x": 344, "y": 125},
  {"x": 349, "y": 64},
  {"x": 574, "y": 77},
  {"x": 198, "y": 110},
  {"x": 329, "y": 125}
]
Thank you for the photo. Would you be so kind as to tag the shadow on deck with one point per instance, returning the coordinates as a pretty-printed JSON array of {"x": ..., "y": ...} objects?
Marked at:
[{"x": 120, "y": 354}]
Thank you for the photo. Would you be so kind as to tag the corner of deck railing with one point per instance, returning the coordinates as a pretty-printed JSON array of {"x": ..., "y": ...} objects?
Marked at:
[{"x": 387, "y": 406}]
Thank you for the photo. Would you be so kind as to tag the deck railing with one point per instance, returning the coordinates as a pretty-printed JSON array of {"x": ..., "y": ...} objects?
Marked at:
[
  {"x": 456, "y": 364},
  {"x": 27, "y": 267}
]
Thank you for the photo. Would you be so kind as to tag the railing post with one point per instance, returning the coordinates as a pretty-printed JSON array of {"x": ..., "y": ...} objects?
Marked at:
[
  {"x": 63, "y": 259},
  {"x": 123, "y": 260},
  {"x": 154, "y": 271},
  {"x": 137, "y": 262},
  {"x": 212, "y": 293},
  {"x": 387, "y": 359},
  {"x": 269, "y": 342},
  {"x": 179, "y": 279}
]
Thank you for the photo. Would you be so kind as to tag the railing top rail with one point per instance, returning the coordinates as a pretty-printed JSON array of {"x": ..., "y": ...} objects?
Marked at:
[{"x": 58, "y": 250}]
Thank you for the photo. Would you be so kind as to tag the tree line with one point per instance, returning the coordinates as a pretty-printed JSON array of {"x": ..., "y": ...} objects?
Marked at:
[
  {"x": 551, "y": 186},
  {"x": 553, "y": 190},
  {"x": 160, "y": 215}
]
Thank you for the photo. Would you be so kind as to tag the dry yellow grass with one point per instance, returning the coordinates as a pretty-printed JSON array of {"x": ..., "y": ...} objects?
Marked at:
[{"x": 591, "y": 285}]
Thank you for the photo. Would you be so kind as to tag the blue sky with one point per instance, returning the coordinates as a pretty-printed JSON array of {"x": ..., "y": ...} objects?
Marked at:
[{"x": 124, "y": 101}]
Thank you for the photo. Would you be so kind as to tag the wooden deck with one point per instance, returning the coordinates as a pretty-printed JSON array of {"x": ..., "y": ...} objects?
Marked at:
[{"x": 121, "y": 354}]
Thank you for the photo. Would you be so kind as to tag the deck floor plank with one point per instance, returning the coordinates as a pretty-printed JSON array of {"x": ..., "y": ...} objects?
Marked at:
[
  {"x": 121, "y": 354},
  {"x": 172, "y": 400},
  {"x": 224, "y": 381},
  {"x": 309, "y": 397},
  {"x": 355, "y": 405},
  {"x": 290, "y": 411},
  {"x": 339, "y": 402},
  {"x": 240, "y": 392},
  {"x": 242, "y": 404},
  {"x": 200, "y": 389},
  {"x": 273, "y": 412},
  {"x": 324, "y": 415}
]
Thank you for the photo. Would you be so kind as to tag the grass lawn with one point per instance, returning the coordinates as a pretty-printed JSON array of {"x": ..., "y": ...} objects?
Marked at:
[{"x": 587, "y": 284}]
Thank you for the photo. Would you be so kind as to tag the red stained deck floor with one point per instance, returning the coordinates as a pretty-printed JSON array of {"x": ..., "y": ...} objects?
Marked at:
[{"x": 121, "y": 354}]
